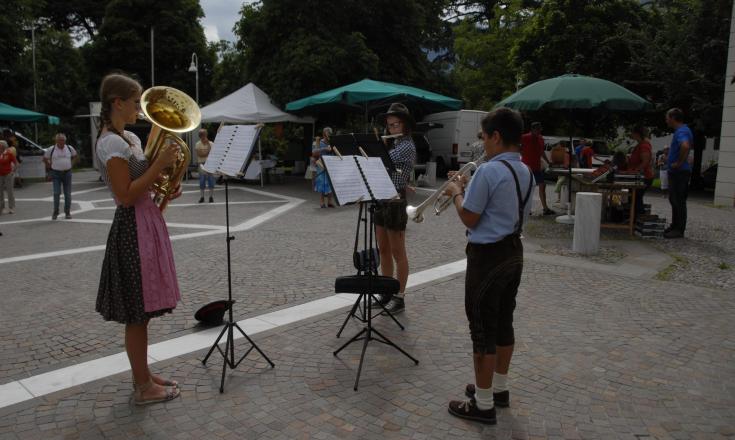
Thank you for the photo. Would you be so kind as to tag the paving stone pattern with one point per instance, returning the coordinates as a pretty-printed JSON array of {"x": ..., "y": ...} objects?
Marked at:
[{"x": 597, "y": 356}]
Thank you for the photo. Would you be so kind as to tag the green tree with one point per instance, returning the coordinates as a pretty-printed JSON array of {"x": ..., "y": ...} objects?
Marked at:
[
  {"x": 81, "y": 18},
  {"x": 293, "y": 49},
  {"x": 123, "y": 44},
  {"x": 229, "y": 72},
  {"x": 579, "y": 36},
  {"x": 61, "y": 74},
  {"x": 16, "y": 77},
  {"x": 483, "y": 41}
]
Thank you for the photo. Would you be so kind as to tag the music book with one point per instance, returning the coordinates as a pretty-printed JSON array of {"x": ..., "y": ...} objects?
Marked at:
[
  {"x": 373, "y": 146},
  {"x": 231, "y": 150},
  {"x": 358, "y": 178}
]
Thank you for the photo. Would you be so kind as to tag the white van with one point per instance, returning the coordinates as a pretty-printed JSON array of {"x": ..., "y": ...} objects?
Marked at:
[{"x": 451, "y": 144}]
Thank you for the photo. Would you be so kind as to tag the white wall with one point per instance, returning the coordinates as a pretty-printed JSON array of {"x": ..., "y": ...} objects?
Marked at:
[{"x": 725, "y": 188}]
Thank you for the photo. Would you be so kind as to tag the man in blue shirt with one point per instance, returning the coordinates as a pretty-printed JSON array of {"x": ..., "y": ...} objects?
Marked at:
[
  {"x": 679, "y": 172},
  {"x": 493, "y": 210}
]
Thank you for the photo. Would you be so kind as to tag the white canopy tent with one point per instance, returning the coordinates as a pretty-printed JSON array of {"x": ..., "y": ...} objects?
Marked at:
[{"x": 249, "y": 105}]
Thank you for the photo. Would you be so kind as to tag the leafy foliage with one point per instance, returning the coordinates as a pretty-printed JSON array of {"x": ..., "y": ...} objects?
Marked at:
[
  {"x": 293, "y": 49},
  {"x": 123, "y": 44}
]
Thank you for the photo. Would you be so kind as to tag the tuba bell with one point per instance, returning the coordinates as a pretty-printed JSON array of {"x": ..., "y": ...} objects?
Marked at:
[{"x": 169, "y": 111}]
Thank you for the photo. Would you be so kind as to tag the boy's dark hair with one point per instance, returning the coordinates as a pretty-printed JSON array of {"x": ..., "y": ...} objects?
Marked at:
[
  {"x": 505, "y": 121},
  {"x": 676, "y": 114}
]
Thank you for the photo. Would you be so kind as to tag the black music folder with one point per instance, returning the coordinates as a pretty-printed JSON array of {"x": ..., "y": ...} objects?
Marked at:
[
  {"x": 231, "y": 150},
  {"x": 358, "y": 178},
  {"x": 371, "y": 144}
]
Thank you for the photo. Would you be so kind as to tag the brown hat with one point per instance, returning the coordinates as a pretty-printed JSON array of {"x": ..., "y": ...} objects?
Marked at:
[{"x": 399, "y": 110}]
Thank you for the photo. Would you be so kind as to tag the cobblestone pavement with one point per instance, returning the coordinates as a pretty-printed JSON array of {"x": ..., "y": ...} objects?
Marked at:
[
  {"x": 705, "y": 257},
  {"x": 598, "y": 356}
]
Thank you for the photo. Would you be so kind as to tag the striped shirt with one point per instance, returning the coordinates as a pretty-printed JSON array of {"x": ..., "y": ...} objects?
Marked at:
[{"x": 403, "y": 156}]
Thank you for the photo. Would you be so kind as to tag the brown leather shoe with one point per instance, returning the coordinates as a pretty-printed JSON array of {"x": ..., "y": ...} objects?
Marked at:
[{"x": 468, "y": 410}]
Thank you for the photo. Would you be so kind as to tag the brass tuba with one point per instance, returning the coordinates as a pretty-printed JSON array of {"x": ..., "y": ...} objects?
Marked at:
[{"x": 169, "y": 111}]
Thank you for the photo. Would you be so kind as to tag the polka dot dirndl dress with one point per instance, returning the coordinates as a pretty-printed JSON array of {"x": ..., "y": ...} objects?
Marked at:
[{"x": 138, "y": 279}]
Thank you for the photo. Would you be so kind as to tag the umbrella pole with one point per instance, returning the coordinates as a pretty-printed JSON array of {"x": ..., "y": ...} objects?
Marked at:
[
  {"x": 568, "y": 218},
  {"x": 260, "y": 155}
]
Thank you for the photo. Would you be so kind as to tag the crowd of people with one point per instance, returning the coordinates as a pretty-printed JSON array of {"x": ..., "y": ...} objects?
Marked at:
[{"x": 672, "y": 163}]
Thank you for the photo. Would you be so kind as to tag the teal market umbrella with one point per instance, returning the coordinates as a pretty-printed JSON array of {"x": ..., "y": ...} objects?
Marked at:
[
  {"x": 575, "y": 92},
  {"x": 10, "y": 113},
  {"x": 369, "y": 93}
]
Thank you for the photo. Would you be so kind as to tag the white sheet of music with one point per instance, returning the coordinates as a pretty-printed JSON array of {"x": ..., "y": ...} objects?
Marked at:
[
  {"x": 231, "y": 149},
  {"x": 346, "y": 179},
  {"x": 351, "y": 176},
  {"x": 377, "y": 177}
]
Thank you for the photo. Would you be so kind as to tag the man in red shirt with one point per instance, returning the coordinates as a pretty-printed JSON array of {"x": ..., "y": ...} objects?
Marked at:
[{"x": 532, "y": 152}]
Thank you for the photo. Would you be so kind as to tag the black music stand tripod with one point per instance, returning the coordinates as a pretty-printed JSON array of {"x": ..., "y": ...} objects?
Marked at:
[
  {"x": 367, "y": 284},
  {"x": 228, "y": 354}
]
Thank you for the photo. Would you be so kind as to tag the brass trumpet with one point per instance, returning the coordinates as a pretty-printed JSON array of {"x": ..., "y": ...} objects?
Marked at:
[
  {"x": 169, "y": 111},
  {"x": 438, "y": 199}
]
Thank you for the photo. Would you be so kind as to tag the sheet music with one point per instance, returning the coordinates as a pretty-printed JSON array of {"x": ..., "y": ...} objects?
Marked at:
[
  {"x": 346, "y": 179},
  {"x": 231, "y": 149},
  {"x": 355, "y": 177},
  {"x": 377, "y": 177}
]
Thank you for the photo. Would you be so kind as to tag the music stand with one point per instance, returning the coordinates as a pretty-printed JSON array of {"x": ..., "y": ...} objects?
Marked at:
[
  {"x": 229, "y": 155},
  {"x": 366, "y": 262},
  {"x": 364, "y": 180},
  {"x": 371, "y": 144}
]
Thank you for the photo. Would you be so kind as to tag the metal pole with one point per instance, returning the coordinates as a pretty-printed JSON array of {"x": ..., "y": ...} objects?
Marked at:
[
  {"x": 260, "y": 155},
  {"x": 153, "y": 80},
  {"x": 197, "y": 79},
  {"x": 35, "y": 103}
]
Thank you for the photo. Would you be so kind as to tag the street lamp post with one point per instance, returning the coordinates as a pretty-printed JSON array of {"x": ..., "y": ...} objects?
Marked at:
[
  {"x": 194, "y": 67},
  {"x": 32, "y": 28}
]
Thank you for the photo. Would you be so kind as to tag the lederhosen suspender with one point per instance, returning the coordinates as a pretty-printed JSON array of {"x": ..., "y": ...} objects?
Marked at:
[{"x": 521, "y": 202}]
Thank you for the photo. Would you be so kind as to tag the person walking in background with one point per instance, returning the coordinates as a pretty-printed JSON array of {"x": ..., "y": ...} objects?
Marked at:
[
  {"x": 532, "y": 154},
  {"x": 8, "y": 162},
  {"x": 493, "y": 211},
  {"x": 679, "y": 172},
  {"x": 59, "y": 159},
  {"x": 641, "y": 160},
  {"x": 12, "y": 141},
  {"x": 321, "y": 180},
  {"x": 203, "y": 147}
]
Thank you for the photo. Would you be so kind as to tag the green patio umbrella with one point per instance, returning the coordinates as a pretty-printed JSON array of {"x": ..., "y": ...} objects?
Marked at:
[
  {"x": 575, "y": 92},
  {"x": 369, "y": 93},
  {"x": 10, "y": 113}
]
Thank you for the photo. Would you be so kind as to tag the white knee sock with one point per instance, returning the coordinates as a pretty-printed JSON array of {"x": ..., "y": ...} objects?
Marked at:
[
  {"x": 500, "y": 382},
  {"x": 484, "y": 398}
]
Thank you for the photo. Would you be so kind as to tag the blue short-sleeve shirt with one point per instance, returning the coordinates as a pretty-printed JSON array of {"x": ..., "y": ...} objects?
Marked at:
[
  {"x": 492, "y": 194},
  {"x": 682, "y": 134}
]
